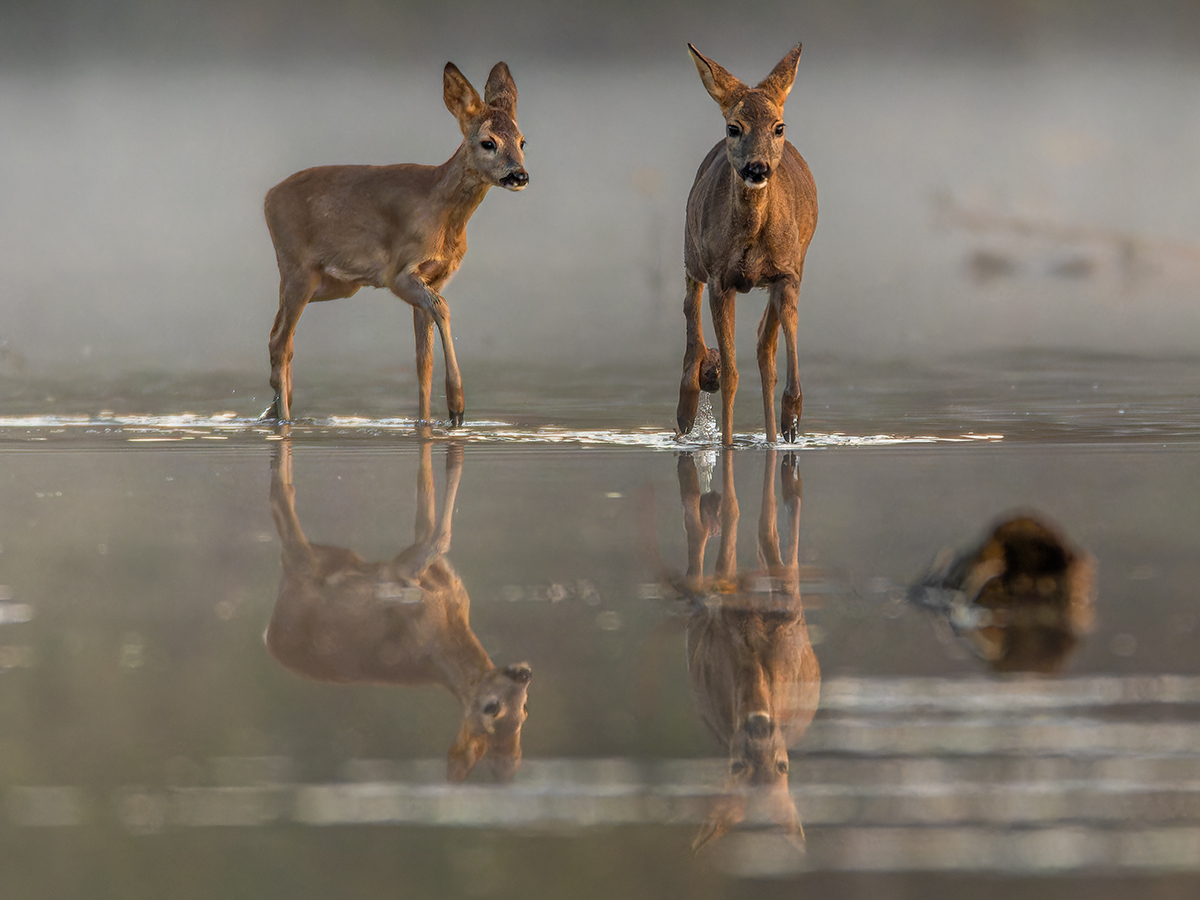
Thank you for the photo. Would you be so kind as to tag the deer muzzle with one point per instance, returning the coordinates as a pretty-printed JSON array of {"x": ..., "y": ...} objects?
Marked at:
[
  {"x": 755, "y": 174},
  {"x": 515, "y": 180}
]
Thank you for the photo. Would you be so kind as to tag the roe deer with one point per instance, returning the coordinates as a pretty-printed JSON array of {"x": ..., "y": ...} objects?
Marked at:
[
  {"x": 751, "y": 665},
  {"x": 342, "y": 620},
  {"x": 750, "y": 216},
  {"x": 401, "y": 227},
  {"x": 1020, "y": 600}
]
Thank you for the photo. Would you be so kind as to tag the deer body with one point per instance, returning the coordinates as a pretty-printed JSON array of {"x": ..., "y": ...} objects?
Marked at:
[
  {"x": 339, "y": 619},
  {"x": 402, "y": 227},
  {"x": 751, "y": 214}
]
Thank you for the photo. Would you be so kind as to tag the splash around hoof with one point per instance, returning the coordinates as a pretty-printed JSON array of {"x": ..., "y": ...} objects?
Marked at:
[{"x": 710, "y": 371}]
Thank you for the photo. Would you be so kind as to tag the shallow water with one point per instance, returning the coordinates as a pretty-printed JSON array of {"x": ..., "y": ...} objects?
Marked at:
[{"x": 150, "y": 739}]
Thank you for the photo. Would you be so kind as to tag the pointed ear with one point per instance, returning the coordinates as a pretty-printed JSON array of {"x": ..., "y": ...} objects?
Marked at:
[
  {"x": 783, "y": 811},
  {"x": 468, "y": 748},
  {"x": 779, "y": 83},
  {"x": 500, "y": 90},
  {"x": 461, "y": 99},
  {"x": 721, "y": 86},
  {"x": 726, "y": 812}
]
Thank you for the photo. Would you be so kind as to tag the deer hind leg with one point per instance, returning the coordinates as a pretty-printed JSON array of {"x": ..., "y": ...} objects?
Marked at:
[
  {"x": 723, "y": 305},
  {"x": 295, "y": 290},
  {"x": 696, "y": 360},
  {"x": 768, "y": 343},
  {"x": 785, "y": 295}
]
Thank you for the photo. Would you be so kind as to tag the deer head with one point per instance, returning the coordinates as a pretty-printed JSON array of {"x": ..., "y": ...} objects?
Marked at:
[
  {"x": 493, "y": 142},
  {"x": 754, "y": 128},
  {"x": 493, "y": 714}
]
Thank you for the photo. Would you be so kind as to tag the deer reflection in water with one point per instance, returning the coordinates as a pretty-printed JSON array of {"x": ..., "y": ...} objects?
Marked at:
[
  {"x": 1021, "y": 599},
  {"x": 751, "y": 665},
  {"x": 342, "y": 620}
]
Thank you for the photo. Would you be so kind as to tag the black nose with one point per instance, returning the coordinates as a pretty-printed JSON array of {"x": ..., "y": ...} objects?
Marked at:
[
  {"x": 756, "y": 172},
  {"x": 758, "y": 725},
  {"x": 520, "y": 177}
]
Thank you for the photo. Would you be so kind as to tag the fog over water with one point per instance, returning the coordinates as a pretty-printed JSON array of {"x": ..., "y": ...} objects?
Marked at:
[{"x": 971, "y": 198}]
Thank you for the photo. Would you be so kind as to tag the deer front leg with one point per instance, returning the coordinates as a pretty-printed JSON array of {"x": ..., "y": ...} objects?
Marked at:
[
  {"x": 295, "y": 291},
  {"x": 701, "y": 366},
  {"x": 723, "y": 304},
  {"x": 423, "y": 331},
  {"x": 412, "y": 290},
  {"x": 785, "y": 294},
  {"x": 768, "y": 343}
]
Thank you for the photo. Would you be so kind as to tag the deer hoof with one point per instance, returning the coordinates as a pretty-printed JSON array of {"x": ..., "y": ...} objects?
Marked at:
[
  {"x": 710, "y": 371},
  {"x": 271, "y": 413},
  {"x": 456, "y": 419},
  {"x": 791, "y": 430}
]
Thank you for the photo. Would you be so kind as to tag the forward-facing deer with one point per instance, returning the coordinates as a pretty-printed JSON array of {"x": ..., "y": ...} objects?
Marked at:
[
  {"x": 403, "y": 227},
  {"x": 405, "y": 621},
  {"x": 751, "y": 665},
  {"x": 750, "y": 216}
]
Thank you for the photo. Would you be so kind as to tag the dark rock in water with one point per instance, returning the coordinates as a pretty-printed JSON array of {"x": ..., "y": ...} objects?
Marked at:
[{"x": 1020, "y": 599}]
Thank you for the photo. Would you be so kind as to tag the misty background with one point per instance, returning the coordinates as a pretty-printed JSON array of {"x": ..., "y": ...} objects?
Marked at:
[{"x": 993, "y": 176}]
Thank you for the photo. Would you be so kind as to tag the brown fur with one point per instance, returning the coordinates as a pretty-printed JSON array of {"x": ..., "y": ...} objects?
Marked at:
[
  {"x": 405, "y": 621},
  {"x": 403, "y": 227},
  {"x": 743, "y": 233}
]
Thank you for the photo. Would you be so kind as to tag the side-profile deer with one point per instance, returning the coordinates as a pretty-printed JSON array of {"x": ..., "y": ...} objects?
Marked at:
[
  {"x": 402, "y": 227},
  {"x": 750, "y": 216},
  {"x": 1020, "y": 599},
  {"x": 753, "y": 673},
  {"x": 342, "y": 620}
]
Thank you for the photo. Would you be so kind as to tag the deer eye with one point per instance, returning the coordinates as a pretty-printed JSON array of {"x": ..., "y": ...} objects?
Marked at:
[
  {"x": 738, "y": 766},
  {"x": 492, "y": 709},
  {"x": 522, "y": 143},
  {"x": 779, "y": 130},
  {"x": 781, "y": 767},
  {"x": 733, "y": 130},
  {"x": 488, "y": 145}
]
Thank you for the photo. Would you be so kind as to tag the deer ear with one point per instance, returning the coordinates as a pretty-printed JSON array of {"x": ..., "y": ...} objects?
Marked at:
[
  {"x": 500, "y": 90},
  {"x": 726, "y": 812},
  {"x": 721, "y": 86},
  {"x": 461, "y": 99},
  {"x": 779, "y": 83}
]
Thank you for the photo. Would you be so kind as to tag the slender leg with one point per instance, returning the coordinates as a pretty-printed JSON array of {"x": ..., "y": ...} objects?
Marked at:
[
  {"x": 693, "y": 520},
  {"x": 768, "y": 342},
  {"x": 726, "y": 568},
  {"x": 412, "y": 290},
  {"x": 723, "y": 305},
  {"x": 768, "y": 526},
  {"x": 693, "y": 357},
  {"x": 425, "y": 519},
  {"x": 295, "y": 290},
  {"x": 786, "y": 294},
  {"x": 789, "y": 474},
  {"x": 423, "y": 330}
]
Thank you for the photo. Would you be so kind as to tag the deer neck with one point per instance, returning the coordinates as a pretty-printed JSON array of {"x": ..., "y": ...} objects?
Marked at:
[
  {"x": 465, "y": 663},
  {"x": 459, "y": 190},
  {"x": 749, "y": 207}
]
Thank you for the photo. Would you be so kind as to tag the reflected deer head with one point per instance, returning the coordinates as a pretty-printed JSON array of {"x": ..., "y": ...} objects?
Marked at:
[
  {"x": 1020, "y": 599},
  {"x": 405, "y": 621},
  {"x": 751, "y": 665}
]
